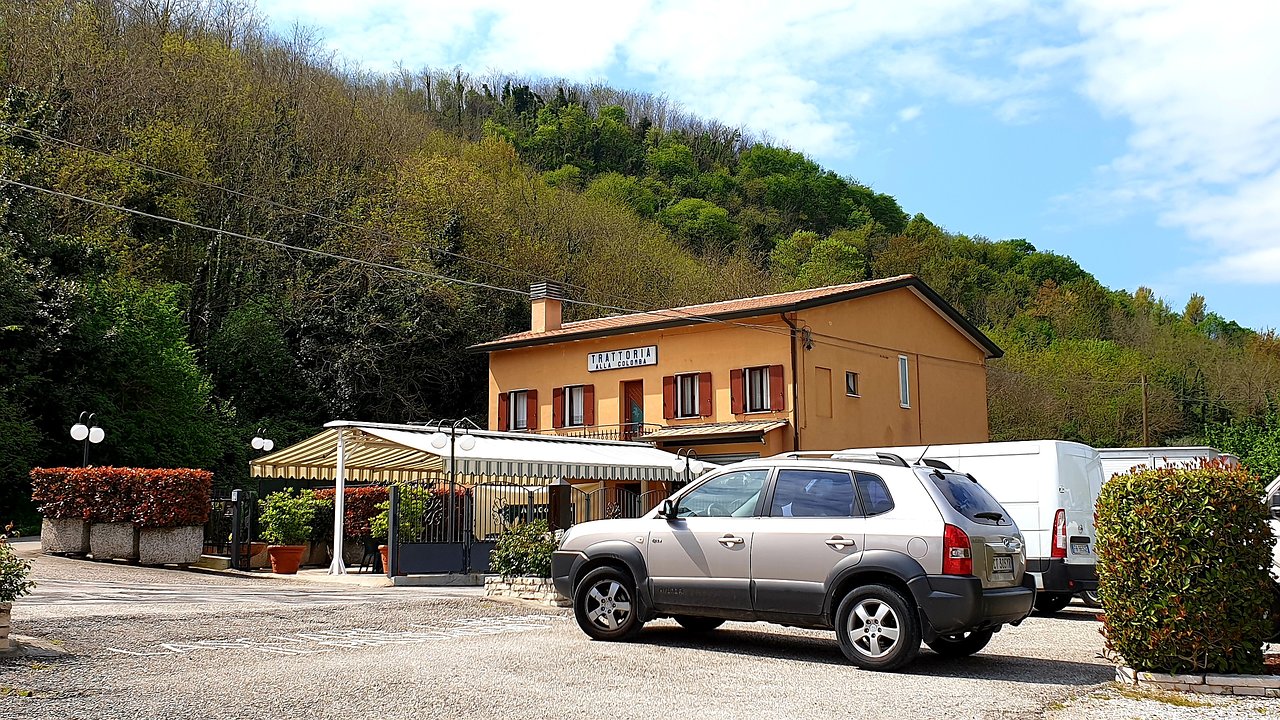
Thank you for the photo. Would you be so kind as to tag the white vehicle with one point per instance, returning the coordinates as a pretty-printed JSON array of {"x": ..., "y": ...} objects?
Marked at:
[
  {"x": 1273, "y": 504},
  {"x": 1117, "y": 461},
  {"x": 1050, "y": 488}
]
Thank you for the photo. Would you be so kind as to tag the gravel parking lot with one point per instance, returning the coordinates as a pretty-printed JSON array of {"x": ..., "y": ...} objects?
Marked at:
[{"x": 142, "y": 643}]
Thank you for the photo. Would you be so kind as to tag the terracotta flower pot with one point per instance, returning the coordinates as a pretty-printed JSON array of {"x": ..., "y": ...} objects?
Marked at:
[
  {"x": 386, "y": 564},
  {"x": 285, "y": 559}
]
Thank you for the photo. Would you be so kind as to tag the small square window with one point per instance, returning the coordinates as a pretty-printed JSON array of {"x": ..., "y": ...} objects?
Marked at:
[{"x": 851, "y": 384}]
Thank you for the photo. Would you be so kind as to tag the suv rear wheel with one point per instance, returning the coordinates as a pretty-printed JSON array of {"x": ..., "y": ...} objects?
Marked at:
[
  {"x": 694, "y": 623},
  {"x": 876, "y": 628},
  {"x": 605, "y": 606},
  {"x": 962, "y": 644}
]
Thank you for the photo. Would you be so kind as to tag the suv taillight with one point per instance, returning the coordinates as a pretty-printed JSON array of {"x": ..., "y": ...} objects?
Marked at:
[
  {"x": 957, "y": 556},
  {"x": 1059, "y": 549}
]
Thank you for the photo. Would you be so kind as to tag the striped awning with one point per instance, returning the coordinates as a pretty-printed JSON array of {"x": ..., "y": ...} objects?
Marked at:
[
  {"x": 732, "y": 430},
  {"x": 376, "y": 452}
]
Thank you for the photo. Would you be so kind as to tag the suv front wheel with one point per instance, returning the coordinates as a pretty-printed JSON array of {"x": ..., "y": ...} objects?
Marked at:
[
  {"x": 877, "y": 628},
  {"x": 605, "y": 606}
]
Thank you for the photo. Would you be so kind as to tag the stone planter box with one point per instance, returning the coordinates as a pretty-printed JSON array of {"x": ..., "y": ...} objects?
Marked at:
[
  {"x": 1209, "y": 684},
  {"x": 170, "y": 546},
  {"x": 5, "y": 642},
  {"x": 534, "y": 589},
  {"x": 64, "y": 536},
  {"x": 113, "y": 541}
]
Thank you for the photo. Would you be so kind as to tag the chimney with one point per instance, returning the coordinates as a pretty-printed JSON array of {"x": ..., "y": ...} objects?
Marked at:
[{"x": 547, "y": 298}]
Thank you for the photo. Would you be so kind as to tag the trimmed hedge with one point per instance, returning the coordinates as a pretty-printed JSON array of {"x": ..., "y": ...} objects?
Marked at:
[
  {"x": 360, "y": 506},
  {"x": 1183, "y": 558},
  {"x": 146, "y": 497},
  {"x": 524, "y": 550}
]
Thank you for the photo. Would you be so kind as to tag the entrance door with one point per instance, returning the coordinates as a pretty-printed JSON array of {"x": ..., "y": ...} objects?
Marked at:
[
  {"x": 702, "y": 558},
  {"x": 632, "y": 409}
]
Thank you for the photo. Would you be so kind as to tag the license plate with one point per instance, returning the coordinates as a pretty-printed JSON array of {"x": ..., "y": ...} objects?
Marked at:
[
  {"x": 1079, "y": 548},
  {"x": 1002, "y": 564}
]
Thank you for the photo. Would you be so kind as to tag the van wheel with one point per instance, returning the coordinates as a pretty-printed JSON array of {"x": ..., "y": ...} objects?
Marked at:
[
  {"x": 1050, "y": 603},
  {"x": 877, "y": 628},
  {"x": 962, "y": 644},
  {"x": 605, "y": 605},
  {"x": 1090, "y": 598},
  {"x": 694, "y": 623}
]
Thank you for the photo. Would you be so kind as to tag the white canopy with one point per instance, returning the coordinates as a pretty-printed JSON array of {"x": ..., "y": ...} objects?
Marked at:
[{"x": 385, "y": 452}]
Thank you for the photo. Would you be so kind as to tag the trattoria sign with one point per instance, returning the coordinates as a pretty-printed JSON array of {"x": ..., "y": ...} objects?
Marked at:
[{"x": 614, "y": 359}]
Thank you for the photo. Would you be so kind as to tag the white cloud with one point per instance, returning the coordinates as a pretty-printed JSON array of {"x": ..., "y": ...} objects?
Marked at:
[
  {"x": 769, "y": 65},
  {"x": 907, "y": 114},
  {"x": 1195, "y": 81}
]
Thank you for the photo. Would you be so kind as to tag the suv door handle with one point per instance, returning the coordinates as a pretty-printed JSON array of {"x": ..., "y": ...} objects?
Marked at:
[
  {"x": 730, "y": 540},
  {"x": 839, "y": 543}
]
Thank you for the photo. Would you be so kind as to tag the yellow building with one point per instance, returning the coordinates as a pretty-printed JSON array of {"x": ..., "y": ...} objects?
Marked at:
[{"x": 884, "y": 362}]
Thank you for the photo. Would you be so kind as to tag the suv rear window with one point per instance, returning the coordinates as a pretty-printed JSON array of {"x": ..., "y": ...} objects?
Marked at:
[{"x": 970, "y": 499}]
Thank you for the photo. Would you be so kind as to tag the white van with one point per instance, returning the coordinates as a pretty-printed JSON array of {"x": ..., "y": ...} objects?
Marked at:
[
  {"x": 1050, "y": 488},
  {"x": 1117, "y": 461}
]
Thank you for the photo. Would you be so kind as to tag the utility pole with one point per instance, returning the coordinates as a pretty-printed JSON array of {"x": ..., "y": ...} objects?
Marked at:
[{"x": 1146, "y": 439}]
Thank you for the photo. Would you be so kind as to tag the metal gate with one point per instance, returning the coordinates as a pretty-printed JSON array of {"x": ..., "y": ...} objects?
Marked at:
[{"x": 231, "y": 527}]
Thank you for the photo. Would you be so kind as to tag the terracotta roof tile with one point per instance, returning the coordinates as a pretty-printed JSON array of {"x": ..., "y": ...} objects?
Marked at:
[{"x": 710, "y": 312}]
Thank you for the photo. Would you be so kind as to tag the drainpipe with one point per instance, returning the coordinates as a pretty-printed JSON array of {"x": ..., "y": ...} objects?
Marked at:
[{"x": 795, "y": 386}]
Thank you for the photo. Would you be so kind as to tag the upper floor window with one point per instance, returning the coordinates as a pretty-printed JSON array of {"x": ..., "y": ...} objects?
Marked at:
[
  {"x": 574, "y": 406},
  {"x": 904, "y": 381},
  {"x": 851, "y": 384},
  {"x": 519, "y": 410},
  {"x": 687, "y": 404},
  {"x": 758, "y": 398}
]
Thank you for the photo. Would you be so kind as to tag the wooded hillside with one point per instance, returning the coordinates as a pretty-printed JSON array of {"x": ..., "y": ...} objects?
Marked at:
[{"x": 184, "y": 341}]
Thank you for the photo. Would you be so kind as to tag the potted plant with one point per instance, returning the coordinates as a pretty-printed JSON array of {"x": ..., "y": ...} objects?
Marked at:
[
  {"x": 14, "y": 583},
  {"x": 286, "y": 524}
]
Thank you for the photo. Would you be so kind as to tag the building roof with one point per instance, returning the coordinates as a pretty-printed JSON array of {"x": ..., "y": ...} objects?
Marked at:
[{"x": 739, "y": 309}]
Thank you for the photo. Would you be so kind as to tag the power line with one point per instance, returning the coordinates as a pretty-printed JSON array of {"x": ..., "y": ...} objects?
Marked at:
[
  {"x": 279, "y": 205},
  {"x": 666, "y": 312},
  {"x": 674, "y": 313}
]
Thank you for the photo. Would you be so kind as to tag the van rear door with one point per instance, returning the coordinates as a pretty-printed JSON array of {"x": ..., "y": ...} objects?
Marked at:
[{"x": 1080, "y": 479}]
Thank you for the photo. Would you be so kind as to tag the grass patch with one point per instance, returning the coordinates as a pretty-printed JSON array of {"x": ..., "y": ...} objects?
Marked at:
[
  {"x": 1169, "y": 698},
  {"x": 39, "y": 666},
  {"x": 7, "y": 691}
]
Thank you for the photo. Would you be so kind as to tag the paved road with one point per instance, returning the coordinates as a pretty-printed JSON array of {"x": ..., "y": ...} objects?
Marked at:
[{"x": 145, "y": 643}]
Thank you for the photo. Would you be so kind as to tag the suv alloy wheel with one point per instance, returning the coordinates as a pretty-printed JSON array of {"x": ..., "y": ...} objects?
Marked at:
[
  {"x": 605, "y": 606},
  {"x": 877, "y": 628}
]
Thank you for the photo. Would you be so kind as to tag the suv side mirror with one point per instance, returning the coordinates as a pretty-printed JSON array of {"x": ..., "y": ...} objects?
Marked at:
[{"x": 669, "y": 511}]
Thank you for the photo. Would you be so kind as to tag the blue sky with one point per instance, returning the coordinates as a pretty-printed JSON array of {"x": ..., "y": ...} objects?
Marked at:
[{"x": 1141, "y": 137}]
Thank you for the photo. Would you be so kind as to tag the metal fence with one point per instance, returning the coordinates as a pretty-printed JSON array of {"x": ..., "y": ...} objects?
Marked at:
[{"x": 231, "y": 527}]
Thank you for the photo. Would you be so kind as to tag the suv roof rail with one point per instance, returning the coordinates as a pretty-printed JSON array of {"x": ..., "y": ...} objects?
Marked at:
[
  {"x": 938, "y": 464},
  {"x": 883, "y": 458}
]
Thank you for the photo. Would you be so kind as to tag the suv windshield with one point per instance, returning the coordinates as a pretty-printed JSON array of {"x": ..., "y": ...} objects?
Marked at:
[{"x": 970, "y": 499}]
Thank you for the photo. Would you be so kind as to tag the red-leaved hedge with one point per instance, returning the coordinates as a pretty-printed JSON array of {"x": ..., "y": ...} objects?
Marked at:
[
  {"x": 360, "y": 505},
  {"x": 147, "y": 497}
]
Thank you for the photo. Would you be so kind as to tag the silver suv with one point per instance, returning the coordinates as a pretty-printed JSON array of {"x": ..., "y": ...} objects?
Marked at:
[{"x": 886, "y": 553}]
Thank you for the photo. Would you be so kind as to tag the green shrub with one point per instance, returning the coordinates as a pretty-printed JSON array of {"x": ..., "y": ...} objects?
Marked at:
[
  {"x": 524, "y": 550},
  {"x": 14, "y": 572},
  {"x": 286, "y": 517},
  {"x": 1183, "y": 555}
]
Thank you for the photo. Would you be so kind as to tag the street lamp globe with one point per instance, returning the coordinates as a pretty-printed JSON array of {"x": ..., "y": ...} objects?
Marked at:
[
  {"x": 96, "y": 435},
  {"x": 438, "y": 440},
  {"x": 79, "y": 432},
  {"x": 467, "y": 442}
]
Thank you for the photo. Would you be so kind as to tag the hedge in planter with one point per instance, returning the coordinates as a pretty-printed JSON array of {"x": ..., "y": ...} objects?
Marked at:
[
  {"x": 172, "y": 508},
  {"x": 1182, "y": 569},
  {"x": 524, "y": 550}
]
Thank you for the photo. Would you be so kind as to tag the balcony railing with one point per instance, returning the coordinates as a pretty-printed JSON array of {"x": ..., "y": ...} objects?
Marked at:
[{"x": 623, "y": 431}]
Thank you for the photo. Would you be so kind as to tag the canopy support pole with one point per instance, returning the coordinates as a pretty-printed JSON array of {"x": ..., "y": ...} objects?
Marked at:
[{"x": 338, "y": 567}]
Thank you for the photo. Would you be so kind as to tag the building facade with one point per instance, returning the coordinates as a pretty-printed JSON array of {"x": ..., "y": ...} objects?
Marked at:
[{"x": 884, "y": 362}]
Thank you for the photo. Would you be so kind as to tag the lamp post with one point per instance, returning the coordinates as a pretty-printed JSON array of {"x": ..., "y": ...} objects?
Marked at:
[
  {"x": 466, "y": 442},
  {"x": 686, "y": 464},
  {"x": 86, "y": 430},
  {"x": 260, "y": 442}
]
